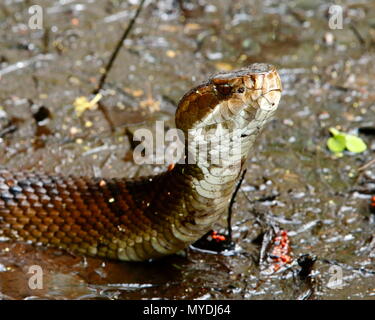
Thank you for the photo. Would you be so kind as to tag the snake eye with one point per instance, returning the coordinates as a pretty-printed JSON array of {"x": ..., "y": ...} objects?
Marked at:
[
  {"x": 241, "y": 90},
  {"x": 224, "y": 89}
]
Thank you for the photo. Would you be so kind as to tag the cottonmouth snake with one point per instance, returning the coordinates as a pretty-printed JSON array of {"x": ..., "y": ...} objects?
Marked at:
[{"x": 149, "y": 217}]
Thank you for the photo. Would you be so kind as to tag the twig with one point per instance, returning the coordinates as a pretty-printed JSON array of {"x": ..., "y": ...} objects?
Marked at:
[
  {"x": 232, "y": 200},
  {"x": 112, "y": 59},
  {"x": 10, "y": 128},
  {"x": 368, "y": 164},
  {"x": 357, "y": 34},
  {"x": 117, "y": 49},
  {"x": 105, "y": 113}
]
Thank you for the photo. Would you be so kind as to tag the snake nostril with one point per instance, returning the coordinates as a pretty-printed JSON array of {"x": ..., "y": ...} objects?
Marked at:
[{"x": 241, "y": 90}]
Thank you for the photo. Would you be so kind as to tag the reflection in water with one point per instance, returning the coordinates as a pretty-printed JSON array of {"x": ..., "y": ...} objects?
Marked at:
[{"x": 73, "y": 277}]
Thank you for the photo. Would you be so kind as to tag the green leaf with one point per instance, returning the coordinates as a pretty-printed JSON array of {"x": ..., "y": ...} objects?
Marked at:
[
  {"x": 337, "y": 143},
  {"x": 354, "y": 144},
  {"x": 341, "y": 141}
]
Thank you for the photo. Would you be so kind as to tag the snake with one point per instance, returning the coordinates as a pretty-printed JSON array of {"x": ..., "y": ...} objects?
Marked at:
[{"x": 146, "y": 218}]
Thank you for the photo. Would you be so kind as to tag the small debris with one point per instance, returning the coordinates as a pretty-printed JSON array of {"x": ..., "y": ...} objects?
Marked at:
[
  {"x": 171, "y": 54},
  {"x": 136, "y": 93},
  {"x": 88, "y": 124},
  {"x": 372, "y": 204},
  {"x": 306, "y": 262},
  {"x": 102, "y": 183},
  {"x": 150, "y": 103},
  {"x": 75, "y": 22},
  {"x": 82, "y": 104},
  {"x": 42, "y": 114},
  {"x": 329, "y": 38},
  {"x": 74, "y": 130},
  {"x": 281, "y": 250}
]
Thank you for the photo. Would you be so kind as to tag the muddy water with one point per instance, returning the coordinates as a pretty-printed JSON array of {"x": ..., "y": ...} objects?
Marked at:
[{"x": 293, "y": 181}]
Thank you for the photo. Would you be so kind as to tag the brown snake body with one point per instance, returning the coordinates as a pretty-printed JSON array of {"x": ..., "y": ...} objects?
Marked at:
[{"x": 149, "y": 217}]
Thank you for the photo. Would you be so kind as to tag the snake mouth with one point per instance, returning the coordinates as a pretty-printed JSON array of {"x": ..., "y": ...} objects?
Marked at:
[{"x": 269, "y": 100}]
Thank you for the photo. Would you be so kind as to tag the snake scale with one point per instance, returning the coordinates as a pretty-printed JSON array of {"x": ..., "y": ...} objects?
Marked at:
[{"x": 149, "y": 217}]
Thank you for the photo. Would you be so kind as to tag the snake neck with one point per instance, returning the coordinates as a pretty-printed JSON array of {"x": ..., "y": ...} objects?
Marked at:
[
  {"x": 184, "y": 202},
  {"x": 216, "y": 152}
]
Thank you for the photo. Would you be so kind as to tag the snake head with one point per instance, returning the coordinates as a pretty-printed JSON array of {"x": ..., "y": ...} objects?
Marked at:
[
  {"x": 253, "y": 92},
  {"x": 258, "y": 85}
]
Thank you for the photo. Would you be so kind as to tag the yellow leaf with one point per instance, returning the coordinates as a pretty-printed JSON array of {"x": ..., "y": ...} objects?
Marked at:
[{"x": 82, "y": 104}]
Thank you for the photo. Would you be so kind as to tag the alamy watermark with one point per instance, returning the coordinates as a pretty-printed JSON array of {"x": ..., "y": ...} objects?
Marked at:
[
  {"x": 214, "y": 145},
  {"x": 36, "y": 18},
  {"x": 36, "y": 278},
  {"x": 335, "y": 20},
  {"x": 336, "y": 279}
]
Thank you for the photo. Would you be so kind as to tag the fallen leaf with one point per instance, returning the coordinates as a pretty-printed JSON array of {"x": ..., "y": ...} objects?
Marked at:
[{"x": 82, "y": 104}]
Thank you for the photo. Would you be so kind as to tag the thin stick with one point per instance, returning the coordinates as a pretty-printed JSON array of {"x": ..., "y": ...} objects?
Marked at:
[
  {"x": 357, "y": 34},
  {"x": 231, "y": 204},
  {"x": 117, "y": 49},
  {"x": 105, "y": 113},
  {"x": 109, "y": 65},
  {"x": 368, "y": 164}
]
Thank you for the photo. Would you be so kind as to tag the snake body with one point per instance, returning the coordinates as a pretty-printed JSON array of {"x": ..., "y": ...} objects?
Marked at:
[{"x": 146, "y": 218}]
